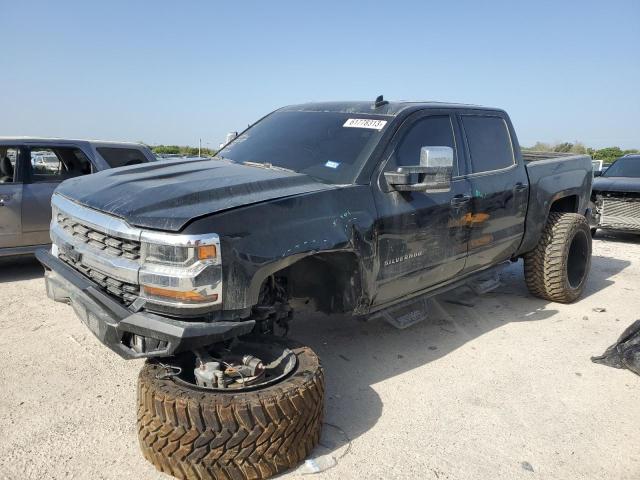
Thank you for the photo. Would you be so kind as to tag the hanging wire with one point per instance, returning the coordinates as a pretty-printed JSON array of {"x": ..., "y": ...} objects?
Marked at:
[{"x": 170, "y": 371}]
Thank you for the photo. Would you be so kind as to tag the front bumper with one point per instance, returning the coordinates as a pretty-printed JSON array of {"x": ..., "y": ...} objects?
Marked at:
[
  {"x": 130, "y": 334},
  {"x": 617, "y": 213}
]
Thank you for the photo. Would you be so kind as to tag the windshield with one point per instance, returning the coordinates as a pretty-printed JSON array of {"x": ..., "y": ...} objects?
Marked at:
[
  {"x": 624, "y": 167},
  {"x": 329, "y": 146}
]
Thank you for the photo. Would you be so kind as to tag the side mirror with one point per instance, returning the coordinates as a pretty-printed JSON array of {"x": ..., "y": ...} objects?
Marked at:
[
  {"x": 433, "y": 175},
  {"x": 597, "y": 173}
]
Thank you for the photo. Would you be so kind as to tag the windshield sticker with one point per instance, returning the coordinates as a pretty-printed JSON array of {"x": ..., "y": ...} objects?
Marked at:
[
  {"x": 331, "y": 164},
  {"x": 365, "y": 123}
]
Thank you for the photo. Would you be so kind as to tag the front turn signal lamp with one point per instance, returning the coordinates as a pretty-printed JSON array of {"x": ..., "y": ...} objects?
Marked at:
[
  {"x": 177, "y": 295},
  {"x": 207, "y": 252}
]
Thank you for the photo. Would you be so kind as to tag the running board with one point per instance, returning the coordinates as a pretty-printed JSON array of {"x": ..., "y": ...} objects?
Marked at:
[
  {"x": 411, "y": 311},
  {"x": 486, "y": 283},
  {"x": 405, "y": 314}
]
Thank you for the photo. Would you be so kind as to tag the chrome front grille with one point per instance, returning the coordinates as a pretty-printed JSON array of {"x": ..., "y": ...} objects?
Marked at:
[
  {"x": 117, "y": 247},
  {"x": 127, "y": 292},
  {"x": 100, "y": 246},
  {"x": 623, "y": 213}
]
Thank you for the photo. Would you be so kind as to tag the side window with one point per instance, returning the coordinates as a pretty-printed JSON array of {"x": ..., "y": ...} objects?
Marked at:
[
  {"x": 432, "y": 131},
  {"x": 120, "y": 157},
  {"x": 58, "y": 163},
  {"x": 46, "y": 166},
  {"x": 8, "y": 159},
  {"x": 489, "y": 143}
]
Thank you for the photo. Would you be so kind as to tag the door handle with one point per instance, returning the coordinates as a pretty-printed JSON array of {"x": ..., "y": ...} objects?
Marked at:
[
  {"x": 460, "y": 200},
  {"x": 520, "y": 187}
]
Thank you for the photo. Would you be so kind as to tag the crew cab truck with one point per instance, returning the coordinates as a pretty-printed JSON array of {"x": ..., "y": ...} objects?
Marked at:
[{"x": 360, "y": 207}]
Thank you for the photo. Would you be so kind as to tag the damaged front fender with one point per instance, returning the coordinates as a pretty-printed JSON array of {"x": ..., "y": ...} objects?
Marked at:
[{"x": 260, "y": 240}]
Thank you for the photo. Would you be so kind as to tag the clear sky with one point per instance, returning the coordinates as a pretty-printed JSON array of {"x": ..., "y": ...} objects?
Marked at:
[{"x": 172, "y": 72}]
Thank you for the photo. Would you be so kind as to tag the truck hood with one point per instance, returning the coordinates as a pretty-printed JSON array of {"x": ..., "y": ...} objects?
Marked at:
[
  {"x": 166, "y": 195},
  {"x": 616, "y": 184}
]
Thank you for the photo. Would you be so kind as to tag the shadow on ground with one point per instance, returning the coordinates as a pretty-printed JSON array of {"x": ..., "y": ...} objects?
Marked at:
[
  {"x": 617, "y": 237},
  {"x": 19, "y": 268},
  {"x": 358, "y": 354}
]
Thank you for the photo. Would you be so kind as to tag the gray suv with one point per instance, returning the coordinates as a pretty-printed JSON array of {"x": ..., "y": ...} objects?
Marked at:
[{"x": 31, "y": 169}]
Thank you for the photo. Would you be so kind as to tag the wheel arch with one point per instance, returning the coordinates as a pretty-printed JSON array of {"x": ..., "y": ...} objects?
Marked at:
[
  {"x": 568, "y": 203},
  {"x": 331, "y": 281}
]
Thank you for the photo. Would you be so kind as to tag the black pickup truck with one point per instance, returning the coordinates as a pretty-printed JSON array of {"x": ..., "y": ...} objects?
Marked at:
[{"x": 360, "y": 207}]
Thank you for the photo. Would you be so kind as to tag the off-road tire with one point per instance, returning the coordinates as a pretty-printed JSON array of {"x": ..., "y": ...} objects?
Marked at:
[
  {"x": 194, "y": 434},
  {"x": 547, "y": 268}
]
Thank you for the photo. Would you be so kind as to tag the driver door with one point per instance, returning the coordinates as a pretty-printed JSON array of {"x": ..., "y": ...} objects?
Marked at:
[{"x": 422, "y": 237}]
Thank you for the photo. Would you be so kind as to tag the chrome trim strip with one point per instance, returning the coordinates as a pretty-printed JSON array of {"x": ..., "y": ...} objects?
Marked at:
[
  {"x": 204, "y": 276},
  {"x": 99, "y": 221},
  {"x": 179, "y": 240},
  {"x": 119, "y": 268}
]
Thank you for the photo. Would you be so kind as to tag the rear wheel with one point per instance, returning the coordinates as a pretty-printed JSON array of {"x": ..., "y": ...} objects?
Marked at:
[
  {"x": 558, "y": 267},
  {"x": 252, "y": 428}
]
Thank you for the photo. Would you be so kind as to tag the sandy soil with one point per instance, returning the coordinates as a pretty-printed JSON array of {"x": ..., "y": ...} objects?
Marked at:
[{"x": 503, "y": 389}]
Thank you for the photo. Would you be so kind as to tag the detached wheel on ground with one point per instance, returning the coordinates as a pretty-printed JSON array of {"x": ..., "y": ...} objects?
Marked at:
[
  {"x": 558, "y": 267},
  {"x": 260, "y": 429}
]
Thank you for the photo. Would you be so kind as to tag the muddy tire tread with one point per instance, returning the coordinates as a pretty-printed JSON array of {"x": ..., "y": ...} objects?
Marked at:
[
  {"x": 545, "y": 267},
  {"x": 198, "y": 435}
]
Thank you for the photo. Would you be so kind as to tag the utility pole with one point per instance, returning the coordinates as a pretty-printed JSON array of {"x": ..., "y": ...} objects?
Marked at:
[{"x": 199, "y": 147}]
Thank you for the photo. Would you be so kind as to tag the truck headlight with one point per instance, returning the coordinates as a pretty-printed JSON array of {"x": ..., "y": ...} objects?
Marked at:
[
  {"x": 180, "y": 273},
  {"x": 178, "y": 255}
]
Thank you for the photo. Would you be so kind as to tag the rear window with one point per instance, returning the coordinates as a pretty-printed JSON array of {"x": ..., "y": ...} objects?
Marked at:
[
  {"x": 489, "y": 143},
  {"x": 121, "y": 157}
]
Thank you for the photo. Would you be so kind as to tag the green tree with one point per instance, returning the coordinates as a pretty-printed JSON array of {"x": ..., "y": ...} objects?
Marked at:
[
  {"x": 539, "y": 147},
  {"x": 166, "y": 149},
  {"x": 608, "y": 154},
  {"x": 578, "y": 147},
  {"x": 564, "y": 147},
  {"x": 182, "y": 150}
]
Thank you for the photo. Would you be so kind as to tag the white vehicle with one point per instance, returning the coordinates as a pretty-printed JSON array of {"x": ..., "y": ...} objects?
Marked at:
[{"x": 45, "y": 162}]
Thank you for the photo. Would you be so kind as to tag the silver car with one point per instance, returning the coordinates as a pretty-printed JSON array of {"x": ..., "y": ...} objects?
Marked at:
[{"x": 31, "y": 169}]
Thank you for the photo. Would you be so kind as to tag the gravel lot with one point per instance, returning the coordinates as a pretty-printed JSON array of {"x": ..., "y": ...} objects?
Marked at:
[{"x": 503, "y": 389}]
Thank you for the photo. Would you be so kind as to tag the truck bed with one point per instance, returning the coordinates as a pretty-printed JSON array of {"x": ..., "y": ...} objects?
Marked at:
[
  {"x": 552, "y": 176},
  {"x": 534, "y": 156}
]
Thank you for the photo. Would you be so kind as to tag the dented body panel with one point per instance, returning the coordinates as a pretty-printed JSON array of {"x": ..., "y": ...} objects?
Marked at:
[
  {"x": 168, "y": 195},
  {"x": 260, "y": 240}
]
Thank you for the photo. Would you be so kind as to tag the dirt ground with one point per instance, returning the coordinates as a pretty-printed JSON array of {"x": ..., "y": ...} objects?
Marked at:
[{"x": 502, "y": 389}]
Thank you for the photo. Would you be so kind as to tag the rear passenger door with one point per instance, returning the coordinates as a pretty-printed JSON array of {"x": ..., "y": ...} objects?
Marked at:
[{"x": 499, "y": 188}]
